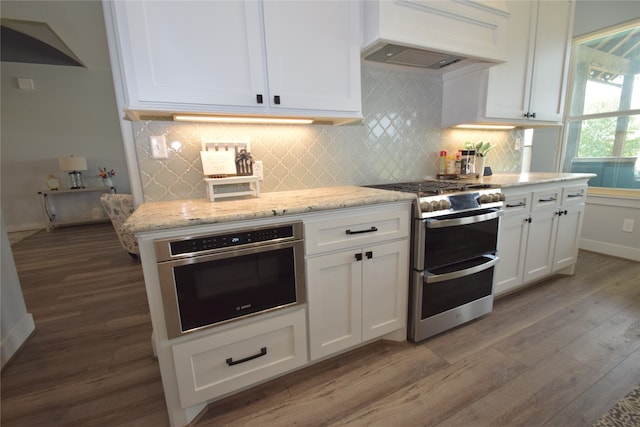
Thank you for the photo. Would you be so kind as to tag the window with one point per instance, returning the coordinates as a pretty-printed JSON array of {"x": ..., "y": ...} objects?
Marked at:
[{"x": 603, "y": 123}]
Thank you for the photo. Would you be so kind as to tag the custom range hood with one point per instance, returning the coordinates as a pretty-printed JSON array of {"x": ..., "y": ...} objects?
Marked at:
[{"x": 439, "y": 36}]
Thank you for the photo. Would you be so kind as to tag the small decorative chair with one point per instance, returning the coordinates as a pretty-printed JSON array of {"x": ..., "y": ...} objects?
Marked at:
[{"x": 119, "y": 207}]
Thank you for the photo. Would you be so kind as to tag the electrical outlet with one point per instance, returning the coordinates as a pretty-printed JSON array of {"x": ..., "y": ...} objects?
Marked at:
[
  {"x": 159, "y": 147},
  {"x": 627, "y": 225}
]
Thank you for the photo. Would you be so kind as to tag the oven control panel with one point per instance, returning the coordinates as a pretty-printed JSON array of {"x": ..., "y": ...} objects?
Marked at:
[
  {"x": 458, "y": 202},
  {"x": 167, "y": 249}
]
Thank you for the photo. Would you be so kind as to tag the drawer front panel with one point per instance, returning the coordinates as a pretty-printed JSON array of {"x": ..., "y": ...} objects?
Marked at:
[
  {"x": 345, "y": 231},
  {"x": 574, "y": 195},
  {"x": 546, "y": 199},
  {"x": 517, "y": 203},
  {"x": 222, "y": 363}
]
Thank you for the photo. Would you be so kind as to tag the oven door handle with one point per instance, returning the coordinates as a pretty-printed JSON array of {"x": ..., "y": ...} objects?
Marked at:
[
  {"x": 441, "y": 223},
  {"x": 435, "y": 278}
]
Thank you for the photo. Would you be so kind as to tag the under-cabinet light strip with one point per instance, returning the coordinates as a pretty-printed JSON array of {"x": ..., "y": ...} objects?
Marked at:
[
  {"x": 245, "y": 120},
  {"x": 489, "y": 127}
]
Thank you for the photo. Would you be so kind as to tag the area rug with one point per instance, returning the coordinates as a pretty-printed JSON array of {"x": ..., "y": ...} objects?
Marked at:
[{"x": 625, "y": 413}]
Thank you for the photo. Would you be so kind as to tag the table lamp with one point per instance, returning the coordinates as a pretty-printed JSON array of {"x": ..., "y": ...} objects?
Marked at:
[{"x": 73, "y": 165}]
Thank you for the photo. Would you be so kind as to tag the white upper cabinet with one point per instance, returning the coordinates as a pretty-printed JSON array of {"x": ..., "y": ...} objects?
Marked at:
[
  {"x": 237, "y": 57},
  {"x": 529, "y": 88},
  {"x": 313, "y": 58}
]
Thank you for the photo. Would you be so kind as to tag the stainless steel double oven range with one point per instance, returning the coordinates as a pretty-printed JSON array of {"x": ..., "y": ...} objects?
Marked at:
[{"x": 454, "y": 253}]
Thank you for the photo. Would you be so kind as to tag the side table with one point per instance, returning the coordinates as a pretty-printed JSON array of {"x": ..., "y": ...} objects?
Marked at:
[{"x": 66, "y": 207}]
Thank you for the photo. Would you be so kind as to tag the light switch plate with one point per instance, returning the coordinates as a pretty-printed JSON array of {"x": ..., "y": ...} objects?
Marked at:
[
  {"x": 159, "y": 147},
  {"x": 258, "y": 169}
]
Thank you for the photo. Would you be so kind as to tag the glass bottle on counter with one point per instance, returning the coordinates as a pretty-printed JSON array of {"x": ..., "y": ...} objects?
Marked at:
[
  {"x": 442, "y": 163},
  {"x": 458, "y": 163}
]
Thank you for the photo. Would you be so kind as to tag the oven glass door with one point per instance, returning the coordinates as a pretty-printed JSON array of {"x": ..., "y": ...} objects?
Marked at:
[
  {"x": 213, "y": 289},
  {"x": 449, "y": 287},
  {"x": 453, "y": 238}
]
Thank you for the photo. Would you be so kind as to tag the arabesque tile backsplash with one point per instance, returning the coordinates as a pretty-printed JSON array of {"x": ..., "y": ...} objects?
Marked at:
[{"x": 399, "y": 139}]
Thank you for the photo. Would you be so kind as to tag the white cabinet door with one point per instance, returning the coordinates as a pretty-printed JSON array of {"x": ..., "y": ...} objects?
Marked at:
[
  {"x": 191, "y": 52},
  {"x": 512, "y": 249},
  {"x": 335, "y": 302},
  {"x": 508, "y": 85},
  {"x": 384, "y": 289},
  {"x": 568, "y": 236},
  {"x": 551, "y": 60},
  {"x": 540, "y": 244},
  {"x": 313, "y": 56}
]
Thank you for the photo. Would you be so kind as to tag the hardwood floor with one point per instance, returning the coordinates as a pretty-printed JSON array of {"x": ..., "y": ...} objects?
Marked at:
[{"x": 557, "y": 354}]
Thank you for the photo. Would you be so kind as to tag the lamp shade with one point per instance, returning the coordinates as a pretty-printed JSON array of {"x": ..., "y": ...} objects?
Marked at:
[{"x": 72, "y": 163}]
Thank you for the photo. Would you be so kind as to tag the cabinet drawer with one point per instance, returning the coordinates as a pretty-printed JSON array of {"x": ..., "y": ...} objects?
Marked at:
[
  {"x": 574, "y": 195},
  {"x": 221, "y": 363},
  {"x": 517, "y": 203},
  {"x": 341, "y": 231},
  {"x": 546, "y": 199}
]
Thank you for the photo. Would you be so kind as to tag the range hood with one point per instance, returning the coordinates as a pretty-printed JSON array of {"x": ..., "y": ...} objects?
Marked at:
[{"x": 390, "y": 53}]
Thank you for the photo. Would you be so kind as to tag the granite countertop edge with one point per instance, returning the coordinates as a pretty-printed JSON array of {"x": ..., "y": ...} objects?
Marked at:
[
  {"x": 156, "y": 216},
  {"x": 533, "y": 178}
]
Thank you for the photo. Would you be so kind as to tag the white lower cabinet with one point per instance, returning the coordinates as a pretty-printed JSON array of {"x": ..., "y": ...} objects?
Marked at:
[
  {"x": 539, "y": 234},
  {"x": 223, "y": 362},
  {"x": 359, "y": 293}
]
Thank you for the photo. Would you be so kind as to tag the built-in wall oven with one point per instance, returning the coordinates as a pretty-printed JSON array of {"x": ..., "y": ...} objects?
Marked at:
[
  {"x": 211, "y": 279},
  {"x": 454, "y": 254}
]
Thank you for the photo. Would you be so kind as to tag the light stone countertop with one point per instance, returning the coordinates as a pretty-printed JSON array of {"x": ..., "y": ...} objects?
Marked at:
[
  {"x": 155, "y": 216},
  {"x": 505, "y": 180}
]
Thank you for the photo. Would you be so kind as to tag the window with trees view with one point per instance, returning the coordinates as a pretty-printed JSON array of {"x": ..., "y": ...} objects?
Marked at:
[{"x": 603, "y": 122}]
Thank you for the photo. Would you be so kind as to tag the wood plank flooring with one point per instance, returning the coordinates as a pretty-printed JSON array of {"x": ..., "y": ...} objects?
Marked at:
[{"x": 560, "y": 353}]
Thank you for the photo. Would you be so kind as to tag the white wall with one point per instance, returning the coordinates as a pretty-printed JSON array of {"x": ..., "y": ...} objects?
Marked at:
[
  {"x": 71, "y": 111},
  {"x": 15, "y": 323}
]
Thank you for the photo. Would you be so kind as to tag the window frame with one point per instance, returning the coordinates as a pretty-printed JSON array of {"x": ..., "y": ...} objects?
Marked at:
[{"x": 568, "y": 118}]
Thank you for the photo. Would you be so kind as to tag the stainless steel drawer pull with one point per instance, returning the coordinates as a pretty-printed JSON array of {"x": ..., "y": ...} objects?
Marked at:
[
  {"x": 517, "y": 205},
  {"x": 372, "y": 229},
  {"x": 550, "y": 199},
  {"x": 231, "y": 362}
]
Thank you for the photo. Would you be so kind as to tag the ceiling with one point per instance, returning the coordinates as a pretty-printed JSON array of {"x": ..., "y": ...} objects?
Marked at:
[{"x": 615, "y": 54}]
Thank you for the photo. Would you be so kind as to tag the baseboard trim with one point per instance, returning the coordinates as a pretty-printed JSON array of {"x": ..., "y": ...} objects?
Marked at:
[
  {"x": 610, "y": 249},
  {"x": 16, "y": 338},
  {"x": 26, "y": 227}
]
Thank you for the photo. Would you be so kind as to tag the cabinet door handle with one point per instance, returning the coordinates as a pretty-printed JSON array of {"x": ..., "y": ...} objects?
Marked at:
[
  {"x": 517, "y": 205},
  {"x": 370, "y": 230},
  {"x": 259, "y": 98},
  {"x": 369, "y": 254},
  {"x": 528, "y": 220},
  {"x": 276, "y": 99},
  {"x": 573, "y": 196},
  {"x": 231, "y": 362},
  {"x": 358, "y": 257},
  {"x": 533, "y": 115},
  {"x": 550, "y": 199}
]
